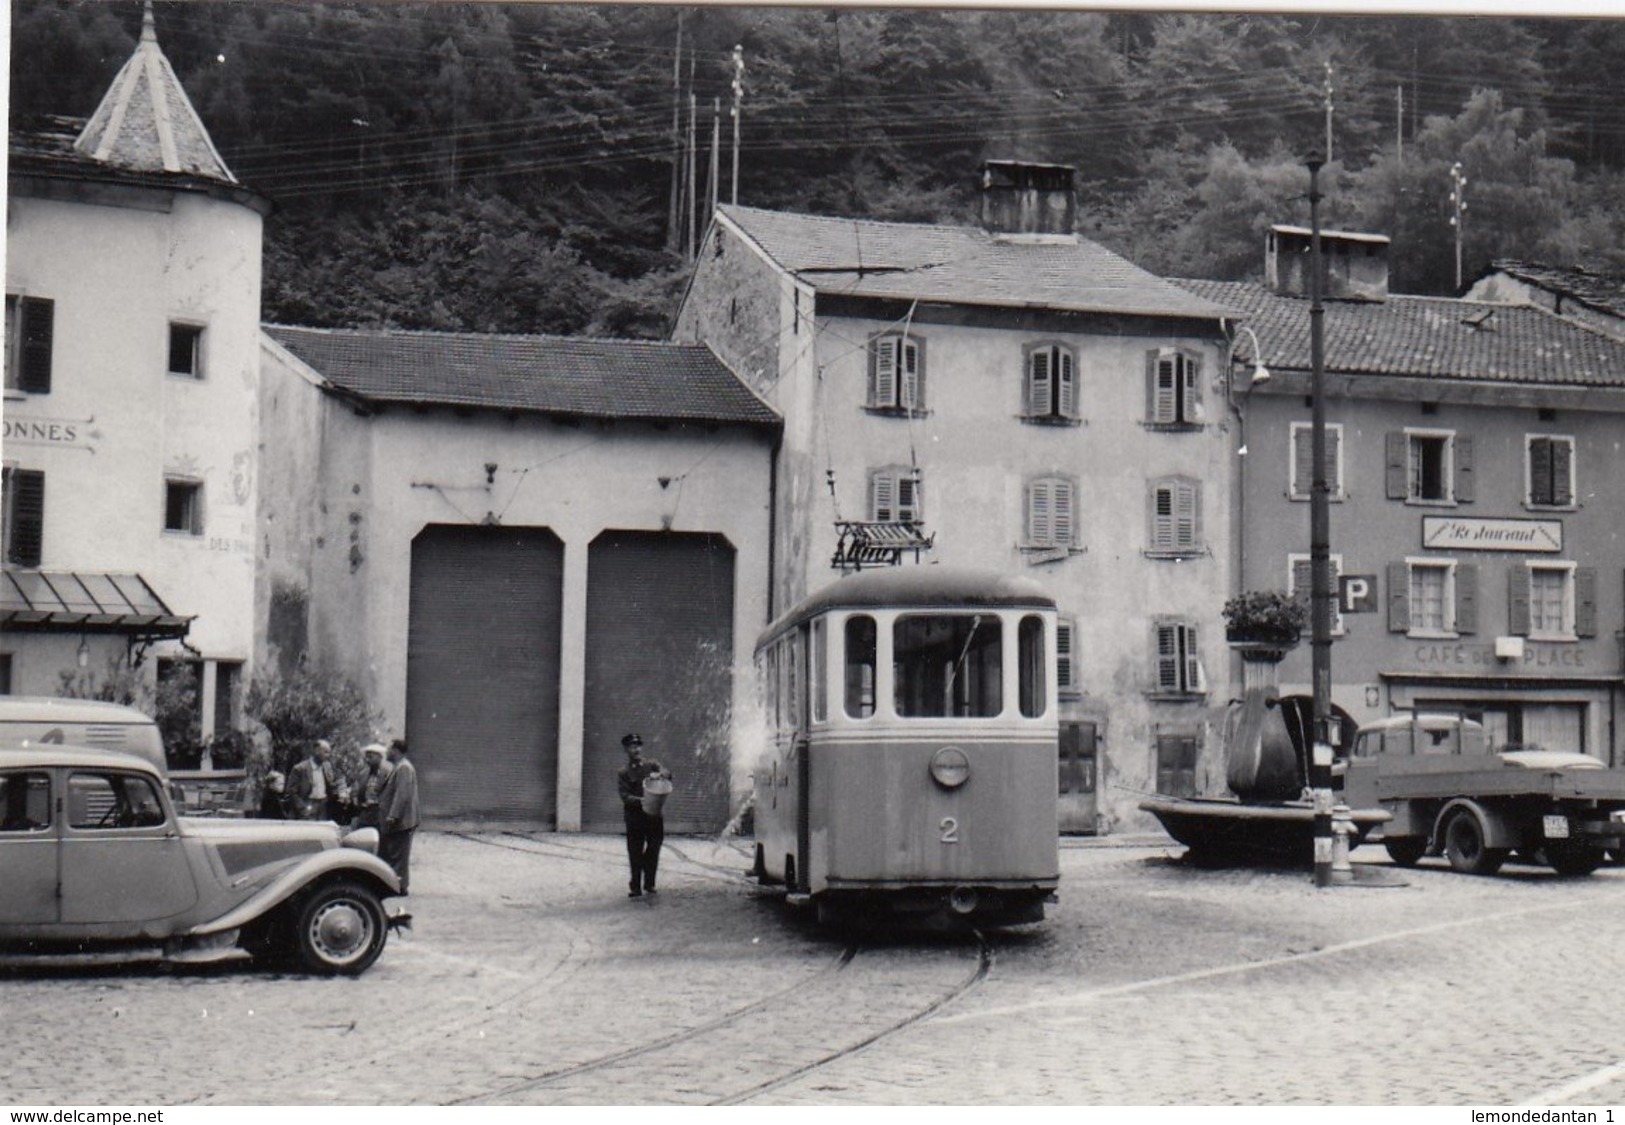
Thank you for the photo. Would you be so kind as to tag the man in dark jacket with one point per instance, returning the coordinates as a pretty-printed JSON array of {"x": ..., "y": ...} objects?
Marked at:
[
  {"x": 645, "y": 831},
  {"x": 398, "y": 812}
]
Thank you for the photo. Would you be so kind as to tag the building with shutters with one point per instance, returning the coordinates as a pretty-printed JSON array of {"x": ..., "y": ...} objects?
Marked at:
[
  {"x": 1014, "y": 397},
  {"x": 1474, "y": 460},
  {"x": 521, "y": 548},
  {"x": 131, "y": 375}
]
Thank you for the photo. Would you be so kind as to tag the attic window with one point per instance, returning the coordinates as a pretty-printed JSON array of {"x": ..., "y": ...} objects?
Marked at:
[{"x": 1480, "y": 319}]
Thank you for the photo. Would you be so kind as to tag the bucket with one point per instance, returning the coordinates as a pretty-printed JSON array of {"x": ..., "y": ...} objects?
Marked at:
[{"x": 655, "y": 792}]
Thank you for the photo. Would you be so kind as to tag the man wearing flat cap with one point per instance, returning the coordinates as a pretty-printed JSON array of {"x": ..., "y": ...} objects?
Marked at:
[
  {"x": 645, "y": 831},
  {"x": 369, "y": 786}
]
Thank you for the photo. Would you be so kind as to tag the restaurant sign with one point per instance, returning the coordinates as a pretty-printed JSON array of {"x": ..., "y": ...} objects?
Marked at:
[{"x": 1474, "y": 533}]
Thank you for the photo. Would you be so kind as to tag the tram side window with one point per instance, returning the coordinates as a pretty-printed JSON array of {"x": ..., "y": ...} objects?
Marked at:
[
  {"x": 817, "y": 671},
  {"x": 948, "y": 665},
  {"x": 1034, "y": 688},
  {"x": 860, "y": 667}
]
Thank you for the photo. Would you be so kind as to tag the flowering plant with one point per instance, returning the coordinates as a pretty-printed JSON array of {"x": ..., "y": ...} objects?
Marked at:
[{"x": 1264, "y": 615}]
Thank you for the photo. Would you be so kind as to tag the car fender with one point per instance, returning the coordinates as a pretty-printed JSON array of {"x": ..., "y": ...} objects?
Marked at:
[
  {"x": 352, "y": 862},
  {"x": 1497, "y": 832}
]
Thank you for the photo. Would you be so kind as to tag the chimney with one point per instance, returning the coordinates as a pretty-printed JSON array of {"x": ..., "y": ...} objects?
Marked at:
[
  {"x": 1029, "y": 202},
  {"x": 1356, "y": 265}
]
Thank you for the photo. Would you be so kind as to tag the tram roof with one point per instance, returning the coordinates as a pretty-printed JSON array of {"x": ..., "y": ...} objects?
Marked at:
[{"x": 917, "y": 587}]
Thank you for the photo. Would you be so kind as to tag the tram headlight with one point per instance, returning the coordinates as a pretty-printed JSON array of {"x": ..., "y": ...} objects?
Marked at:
[{"x": 950, "y": 768}]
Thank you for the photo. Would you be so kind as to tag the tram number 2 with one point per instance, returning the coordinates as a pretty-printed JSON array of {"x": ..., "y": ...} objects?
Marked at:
[{"x": 950, "y": 830}]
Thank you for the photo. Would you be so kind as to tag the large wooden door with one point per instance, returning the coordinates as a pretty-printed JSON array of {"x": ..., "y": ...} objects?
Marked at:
[{"x": 1078, "y": 800}]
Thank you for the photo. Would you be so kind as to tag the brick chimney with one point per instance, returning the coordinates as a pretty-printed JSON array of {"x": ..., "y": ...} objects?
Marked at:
[
  {"x": 1356, "y": 264},
  {"x": 1035, "y": 202}
]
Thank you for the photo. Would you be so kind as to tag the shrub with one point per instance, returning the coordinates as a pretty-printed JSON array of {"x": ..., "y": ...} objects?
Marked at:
[
  {"x": 1264, "y": 615},
  {"x": 296, "y": 710}
]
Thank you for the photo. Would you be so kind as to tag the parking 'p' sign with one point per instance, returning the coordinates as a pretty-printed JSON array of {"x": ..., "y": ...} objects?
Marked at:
[{"x": 1357, "y": 593}]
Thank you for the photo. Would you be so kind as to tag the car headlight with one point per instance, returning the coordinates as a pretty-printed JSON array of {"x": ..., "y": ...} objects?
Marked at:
[{"x": 364, "y": 838}]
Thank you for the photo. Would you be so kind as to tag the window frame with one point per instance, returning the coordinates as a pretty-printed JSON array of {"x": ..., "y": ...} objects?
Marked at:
[
  {"x": 1303, "y": 490},
  {"x": 1447, "y": 473},
  {"x": 1568, "y": 569},
  {"x": 1294, "y": 559},
  {"x": 1448, "y": 629},
  {"x": 1529, "y": 500},
  {"x": 1190, "y": 676},
  {"x": 1184, "y": 407},
  {"x": 194, "y": 506},
  {"x": 1061, "y": 393},
  {"x": 1176, "y": 487},
  {"x": 198, "y": 334},
  {"x": 899, "y": 478},
  {"x": 896, "y": 399}
]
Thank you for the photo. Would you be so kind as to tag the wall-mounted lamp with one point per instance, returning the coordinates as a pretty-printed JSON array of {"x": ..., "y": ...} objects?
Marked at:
[
  {"x": 1261, "y": 374},
  {"x": 84, "y": 653},
  {"x": 490, "y": 472}
]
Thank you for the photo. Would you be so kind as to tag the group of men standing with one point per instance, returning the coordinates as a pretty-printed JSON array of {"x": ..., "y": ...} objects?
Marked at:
[{"x": 383, "y": 795}]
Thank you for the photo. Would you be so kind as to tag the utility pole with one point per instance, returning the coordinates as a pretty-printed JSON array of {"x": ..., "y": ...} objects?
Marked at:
[
  {"x": 693, "y": 203},
  {"x": 716, "y": 145},
  {"x": 1320, "y": 593},
  {"x": 1399, "y": 122},
  {"x": 673, "y": 231},
  {"x": 1458, "y": 212},
  {"x": 1328, "y": 109},
  {"x": 739, "y": 97}
]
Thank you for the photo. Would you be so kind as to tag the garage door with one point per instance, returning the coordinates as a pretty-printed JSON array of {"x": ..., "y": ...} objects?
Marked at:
[
  {"x": 659, "y": 662},
  {"x": 482, "y": 672}
]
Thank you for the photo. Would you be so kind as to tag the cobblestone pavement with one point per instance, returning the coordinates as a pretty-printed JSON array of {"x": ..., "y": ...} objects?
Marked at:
[{"x": 531, "y": 979}]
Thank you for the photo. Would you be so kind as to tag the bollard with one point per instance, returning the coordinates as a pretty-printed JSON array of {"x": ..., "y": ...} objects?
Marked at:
[{"x": 1342, "y": 829}]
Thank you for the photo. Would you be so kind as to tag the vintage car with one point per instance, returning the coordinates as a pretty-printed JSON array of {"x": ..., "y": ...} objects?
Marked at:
[{"x": 95, "y": 866}]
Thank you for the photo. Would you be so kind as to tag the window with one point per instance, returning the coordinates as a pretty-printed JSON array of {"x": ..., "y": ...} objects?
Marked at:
[
  {"x": 1176, "y": 517},
  {"x": 1066, "y": 668},
  {"x": 1429, "y": 467},
  {"x": 25, "y": 802},
  {"x": 818, "y": 671},
  {"x": 894, "y": 495},
  {"x": 1032, "y": 689},
  {"x": 228, "y": 680},
  {"x": 1301, "y": 474},
  {"x": 112, "y": 800},
  {"x": 1300, "y": 584},
  {"x": 1550, "y": 471},
  {"x": 1433, "y": 608},
  {"x": 1432, "y": 597},
  {"x": 897, "y": 373},
  {"x": 1176, "y": 764},
  {"x": 948, "y": 665},
  {"x": 1173, "y": 389},
  {"x": 30, "y": 326},
  {"x": 860, "y": 667},
  {"x": 1553, "y": 601},
  {"x": 1178, "y": 662},
  {"x": 24, "y": 501},
  {"x": 186, "y": 350},
  {"x": 183, "y": 506},
  {"x": 1051, "y": 383},
  {"x": 1050, "y": 503}
]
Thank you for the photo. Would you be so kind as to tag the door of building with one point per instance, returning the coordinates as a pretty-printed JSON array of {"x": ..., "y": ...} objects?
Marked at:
[
  {"x": 659, "y": 662},
  {"x": 1078, "y": 800},
  {"x": 482, "y": 672}
]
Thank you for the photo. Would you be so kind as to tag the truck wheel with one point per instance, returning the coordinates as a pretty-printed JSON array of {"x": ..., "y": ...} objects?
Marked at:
[
  {"x": 1406, "y": 851},
  {"x": 341, "y": 929},
  {"x": 1570, "y": 858},
  {"x": 1464, "y": 846}
]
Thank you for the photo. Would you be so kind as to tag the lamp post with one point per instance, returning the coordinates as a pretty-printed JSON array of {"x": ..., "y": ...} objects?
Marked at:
[{"x": 1320, "y": 645}]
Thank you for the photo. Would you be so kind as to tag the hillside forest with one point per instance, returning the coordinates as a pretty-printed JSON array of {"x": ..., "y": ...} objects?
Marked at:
[{"x": 525, "y": 167}]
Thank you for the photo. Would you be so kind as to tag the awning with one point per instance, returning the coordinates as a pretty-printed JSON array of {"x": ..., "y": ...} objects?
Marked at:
[{"x": 42, "y": 601}]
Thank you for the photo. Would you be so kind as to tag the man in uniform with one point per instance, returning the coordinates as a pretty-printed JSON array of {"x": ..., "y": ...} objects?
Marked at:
[{"x": 645, "y": 831}]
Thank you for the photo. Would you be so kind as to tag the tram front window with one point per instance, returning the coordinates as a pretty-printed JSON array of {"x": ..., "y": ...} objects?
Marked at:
[{"x": 948, "y": 665}]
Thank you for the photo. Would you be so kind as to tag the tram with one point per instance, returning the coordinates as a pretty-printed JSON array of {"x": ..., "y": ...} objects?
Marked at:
[{"x": 912, "y": 771}]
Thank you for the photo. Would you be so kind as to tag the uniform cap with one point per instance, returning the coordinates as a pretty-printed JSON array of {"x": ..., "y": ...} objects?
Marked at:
[{"x": 632, "y": 740}]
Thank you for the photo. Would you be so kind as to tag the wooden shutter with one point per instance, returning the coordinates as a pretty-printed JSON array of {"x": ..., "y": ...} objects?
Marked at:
[
  {"x": 911, "y": 389},
  {"x": 1187, "y": 516},
  {"x": 882, "y": 497},
  {"x": 1162, "y": 517},
  {"x": 1067, "y": 406},
  {"x": 908, "y": 497},
  {"x": 1191, "y": 380},
  {"x": 1303, "y": 465},
  {"x": 1562, "y": 471},
  {"x": 1040, "y": 513},
  {"x": 1540, "y": 471},
  {"x": 1167, "y": 658},
  {"x": 1585, "y": 601},
  {"x": 1161, "y": 388},
  {"x": 1466, "y": 598},
  {"x": 1399, "y": 597},
  {"x": 1334, "y": 460},
  {"x": 1039, "y": 387},
  {"x": 25, "y": 535},
  {"x": 1518, "y": 600},
  {"x": 1065, "y": 524},
  {"x": 1192, "y": 657},
  {"x": 1464, "y": 469},
  {"x": 1396, "y": 449},
  {"x": 38, "y": 332},
  {"x": 1301, "y": 583},
  {"x": 883, "y": 371},
  {"x": 1064, "y": 675}
]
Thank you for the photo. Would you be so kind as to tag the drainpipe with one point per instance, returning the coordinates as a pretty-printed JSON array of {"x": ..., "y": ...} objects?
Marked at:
[{"x": 773, "y": 525}]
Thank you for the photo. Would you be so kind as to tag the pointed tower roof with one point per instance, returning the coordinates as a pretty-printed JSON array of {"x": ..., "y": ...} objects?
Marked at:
[{"x": 147, "y": 123}]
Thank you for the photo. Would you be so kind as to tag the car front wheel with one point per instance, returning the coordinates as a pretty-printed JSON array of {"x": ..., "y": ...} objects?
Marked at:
[{"x": 341, "y": 929}]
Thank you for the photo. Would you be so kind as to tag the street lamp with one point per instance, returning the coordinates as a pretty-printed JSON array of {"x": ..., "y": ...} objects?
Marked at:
[{"x": 1261, "y": 374}]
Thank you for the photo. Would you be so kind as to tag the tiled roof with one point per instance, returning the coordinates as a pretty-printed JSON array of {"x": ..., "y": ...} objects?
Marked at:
[
  {"x": 1425, "y": 337},
  {"x": 1600, "y": 290},
  {"x": 147, "y": 123},
  {"x": 549, "y": 374},
  {"x": 960, "y": 265}
]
